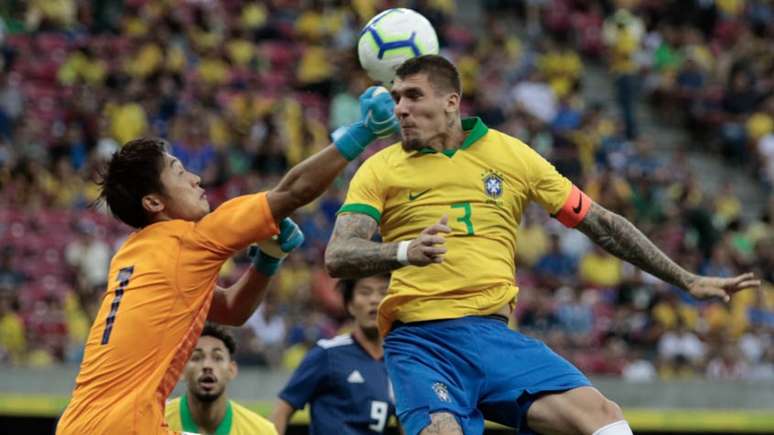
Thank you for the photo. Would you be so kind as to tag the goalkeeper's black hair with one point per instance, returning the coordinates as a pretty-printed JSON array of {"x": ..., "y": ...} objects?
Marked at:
[
  {"x": 347, "y": 286},
  {"x": 133, "y": 172},
  {"x": 221, "y": 333},
  {"x": 443, "y": 75}
]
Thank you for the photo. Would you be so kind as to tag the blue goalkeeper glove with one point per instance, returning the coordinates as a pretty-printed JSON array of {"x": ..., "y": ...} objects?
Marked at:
[
  {"x": 268, "y": 254},
  {"x": 377, "y": 111}
]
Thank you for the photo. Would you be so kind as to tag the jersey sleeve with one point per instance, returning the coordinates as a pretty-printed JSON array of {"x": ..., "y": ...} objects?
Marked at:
[
  {"x": 307, "y": 380},
  {"x": 547, "y": 186},
  {"x": 555, "y": 193},
  {"x": 248, "y": 422},
  {"x": 236, "y": 224},
  {"x": 365, "y": 194}
]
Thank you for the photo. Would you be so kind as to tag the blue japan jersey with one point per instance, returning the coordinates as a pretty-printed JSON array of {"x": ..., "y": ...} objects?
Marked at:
[{"x": 348, "y": 390}]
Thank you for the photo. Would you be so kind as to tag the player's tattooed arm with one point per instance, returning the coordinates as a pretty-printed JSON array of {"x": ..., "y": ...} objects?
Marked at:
[
  {"x": 442, "y": 423},
  {"x": 621, "y": 238},
  {"x": 352, "y": 254}
]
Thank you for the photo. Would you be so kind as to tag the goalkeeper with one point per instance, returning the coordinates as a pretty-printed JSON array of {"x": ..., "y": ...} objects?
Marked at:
[{"x": 162, "y": 280}]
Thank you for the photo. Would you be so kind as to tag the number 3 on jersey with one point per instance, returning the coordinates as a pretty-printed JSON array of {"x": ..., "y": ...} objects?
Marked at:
[
  {"x": 468, "y": 212},
  {"x": 123, "y": 280}
]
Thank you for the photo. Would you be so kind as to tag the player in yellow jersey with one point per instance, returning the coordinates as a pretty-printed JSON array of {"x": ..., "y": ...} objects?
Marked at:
[
  {"x": 162, "y": 280},
  {"x": 448, "y": 200},
  {"x": 204, "y": 408}
]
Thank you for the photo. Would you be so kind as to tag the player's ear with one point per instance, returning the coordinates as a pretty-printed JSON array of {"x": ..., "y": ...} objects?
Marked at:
[
  {"x": 152, "y": 203},
  {"x": 233, "y": 370},
  {"x": 453, "y": 102}
]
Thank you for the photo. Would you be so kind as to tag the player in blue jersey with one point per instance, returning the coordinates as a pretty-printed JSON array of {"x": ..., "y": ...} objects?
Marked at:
[
  {"x": 344, "y": 378},
  {"x": 448, "y": 200}
]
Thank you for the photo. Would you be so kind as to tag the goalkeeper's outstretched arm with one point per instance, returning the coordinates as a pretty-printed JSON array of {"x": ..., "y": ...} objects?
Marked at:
[{"x": 310, "y": 178}]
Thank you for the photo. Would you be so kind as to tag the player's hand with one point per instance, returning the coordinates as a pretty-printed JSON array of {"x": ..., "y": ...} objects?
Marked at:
[
  {"x": 268, "y": 254},
  {"x": 377, "y": 120},
  {"x": 429, "y": 247},
  {"x": 723, "y": 288}
]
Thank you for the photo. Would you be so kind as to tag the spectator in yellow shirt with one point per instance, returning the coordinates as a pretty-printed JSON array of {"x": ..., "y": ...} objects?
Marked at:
[
  {"x": 600, "y": 269},
  {"x": 623, "y": 32},
  {"x": 561, "y": 65},
  {"x": 49, "y": 14},
  {"x": 12, "y": 339},
  {"x": 128, "y": 118}
]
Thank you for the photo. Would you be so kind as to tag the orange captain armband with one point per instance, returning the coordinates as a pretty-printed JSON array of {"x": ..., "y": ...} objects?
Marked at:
[{"x": 574, "y": 209}]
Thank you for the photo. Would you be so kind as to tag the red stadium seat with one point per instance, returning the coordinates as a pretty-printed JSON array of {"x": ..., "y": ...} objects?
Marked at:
[
  {"x": 53, "y": 41},
  {"x": 281, "y": 54}
]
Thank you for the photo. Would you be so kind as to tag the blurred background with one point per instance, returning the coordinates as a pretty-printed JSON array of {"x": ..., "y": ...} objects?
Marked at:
[{"x": 662, "y": 111}]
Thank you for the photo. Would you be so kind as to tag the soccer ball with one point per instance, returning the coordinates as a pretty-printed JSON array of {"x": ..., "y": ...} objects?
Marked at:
[{"x": 391, "y": 38}]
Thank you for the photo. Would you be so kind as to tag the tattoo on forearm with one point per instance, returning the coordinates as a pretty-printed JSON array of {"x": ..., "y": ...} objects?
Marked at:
[
  {"x": 442, "y": 423},
  {"x": 621, "y": 238},
  {"x": 352, "y": 254}
]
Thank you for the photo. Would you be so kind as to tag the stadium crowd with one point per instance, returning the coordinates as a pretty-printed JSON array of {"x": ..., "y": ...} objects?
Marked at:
[{"x": 243, "y": 90}]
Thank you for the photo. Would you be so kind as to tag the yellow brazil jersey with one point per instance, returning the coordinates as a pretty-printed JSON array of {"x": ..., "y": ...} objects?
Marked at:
[
  {"x": 484, "y": 188},
  {"x": 237, "y": 421}
]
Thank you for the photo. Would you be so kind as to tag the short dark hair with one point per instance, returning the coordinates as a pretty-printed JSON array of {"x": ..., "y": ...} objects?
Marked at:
[
  {"x": 443, "y": 75},
  {"x": 133, "y": 172},
  {"x": 222, "y": 334},
  {"x": 347, "y": 286}
]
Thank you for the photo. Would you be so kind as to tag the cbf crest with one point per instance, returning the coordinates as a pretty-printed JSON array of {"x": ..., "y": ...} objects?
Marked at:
[
  {"x": 442, "y": 392},
  {"x": 493, "y": 184}
]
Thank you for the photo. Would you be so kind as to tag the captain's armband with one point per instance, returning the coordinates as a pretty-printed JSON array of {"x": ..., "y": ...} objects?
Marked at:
[{"x": 574, "y": 209}]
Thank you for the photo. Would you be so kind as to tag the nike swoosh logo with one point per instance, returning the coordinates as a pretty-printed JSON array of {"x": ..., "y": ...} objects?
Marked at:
[
  {"x": 580, "y": 204},
  {"x": 413, "y": 196}
]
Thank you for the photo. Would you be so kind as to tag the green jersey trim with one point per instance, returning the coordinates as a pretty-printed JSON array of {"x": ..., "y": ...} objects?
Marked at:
[
  {"x": 362, "y": 209},
  {"x": 476, "y": 130},
  {"x": 224, "y": 428}
]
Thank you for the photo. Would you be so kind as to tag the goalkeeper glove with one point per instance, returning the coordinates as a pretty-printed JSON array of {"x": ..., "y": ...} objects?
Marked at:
[
  {"x": 268, "y": 254},
  {"x": 377, "y": 111}
]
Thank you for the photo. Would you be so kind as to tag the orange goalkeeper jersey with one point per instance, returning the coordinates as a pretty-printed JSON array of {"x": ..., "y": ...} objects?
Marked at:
[{"x": 159, "y": 295}]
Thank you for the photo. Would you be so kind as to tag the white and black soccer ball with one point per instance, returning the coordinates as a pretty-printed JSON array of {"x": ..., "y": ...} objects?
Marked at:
[{"x": 391, "y": 38}]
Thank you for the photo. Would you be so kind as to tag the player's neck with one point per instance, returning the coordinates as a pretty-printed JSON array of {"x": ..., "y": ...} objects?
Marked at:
[
  {"x": 372, "y": 345},
  {"x": 160, "y": 217},
  {"x": 452, "y": 138},
  {"x": 208, "y": 415}
]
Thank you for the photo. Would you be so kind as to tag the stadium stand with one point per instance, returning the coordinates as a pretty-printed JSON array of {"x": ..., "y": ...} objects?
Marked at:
[{"x": 242, "y": 90}]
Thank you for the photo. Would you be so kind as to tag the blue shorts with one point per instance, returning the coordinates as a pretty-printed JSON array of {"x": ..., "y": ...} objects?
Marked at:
[{"x": 473, "y": 367}]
